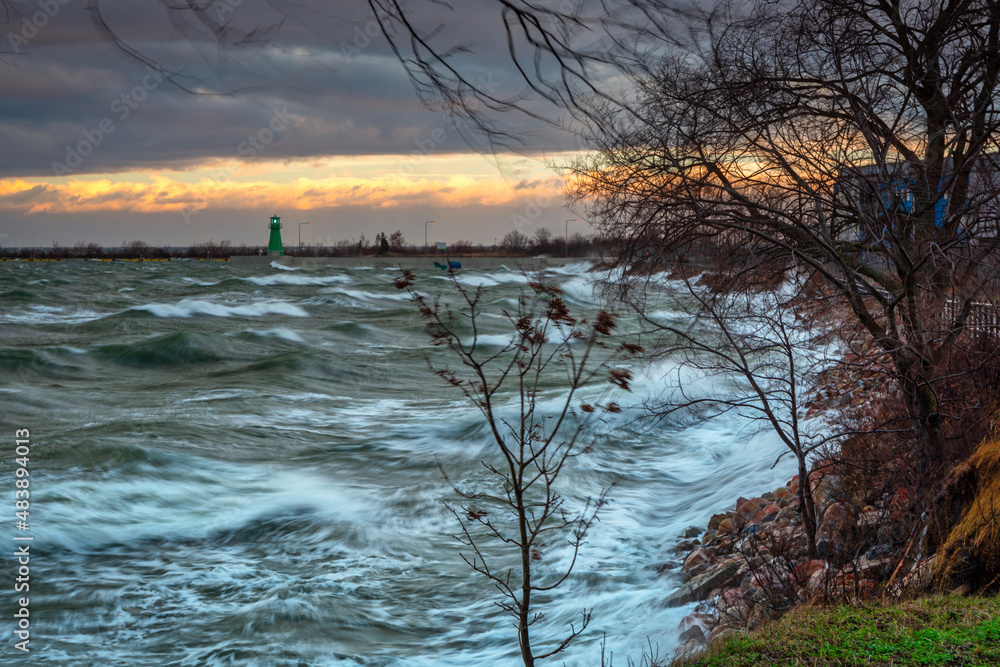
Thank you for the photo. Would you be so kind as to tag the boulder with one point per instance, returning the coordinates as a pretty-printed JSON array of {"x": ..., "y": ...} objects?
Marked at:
[
  {"x": 700, "y": 586},
  {"x": 922, "y": 575},
  {"x": 696, "y": 557},
  {"x": 680, "y": 597},
  {"x": 836, "y": 518},
  {"x": 732, "y": 608},
  {"x": 768, "y": 518},
  {"x": 806, "y": 570},
  {"x": 713, "y": 523},
  {"x": 700, "y": 621},
  {"x": 693, "y": 634},
  {"x": 746, "y": 511},
  {"x": 687, "y": 575},
  {"x": 685, "y": 545},
  {"x": 826, "y": 489},
  {"x": 786, "y": 514},
  {"x": 879, "y": 551},
  {"x": 770, "y": 510}
]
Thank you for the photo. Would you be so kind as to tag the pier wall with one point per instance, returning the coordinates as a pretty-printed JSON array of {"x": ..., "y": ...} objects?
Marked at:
[{"x": 471, "y": 263}]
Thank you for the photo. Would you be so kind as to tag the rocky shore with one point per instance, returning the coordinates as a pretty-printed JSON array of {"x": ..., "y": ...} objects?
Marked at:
[{"x": 751, "y": 564}]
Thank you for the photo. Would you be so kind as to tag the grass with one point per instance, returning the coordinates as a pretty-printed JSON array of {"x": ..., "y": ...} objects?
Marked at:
[{"x": 940, "y": 630}]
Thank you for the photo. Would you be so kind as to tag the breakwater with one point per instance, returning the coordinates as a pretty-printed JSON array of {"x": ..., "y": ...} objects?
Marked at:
[{"x": 405, "y": 262}]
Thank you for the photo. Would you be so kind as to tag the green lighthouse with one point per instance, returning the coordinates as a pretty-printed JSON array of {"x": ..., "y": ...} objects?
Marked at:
[{"x": 274, "y": 246}]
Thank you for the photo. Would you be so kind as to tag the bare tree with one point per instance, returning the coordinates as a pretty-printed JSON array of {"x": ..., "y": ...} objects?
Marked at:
[
  {"x": 533, "y": 447},
  {"x": 514, "y": 242},
  {"x": 542, "y": 237},
  {"x": 396, "y": 241},
  {"x": 752, "y": 344},
  {"x": 856, "y": 139}
]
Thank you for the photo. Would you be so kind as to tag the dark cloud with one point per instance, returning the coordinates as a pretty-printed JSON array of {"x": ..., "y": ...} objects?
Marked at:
[{"x": 322, "y": 66}]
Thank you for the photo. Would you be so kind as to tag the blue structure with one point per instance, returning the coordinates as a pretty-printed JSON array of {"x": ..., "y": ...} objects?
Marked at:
[{"x": 871, "y": 200}]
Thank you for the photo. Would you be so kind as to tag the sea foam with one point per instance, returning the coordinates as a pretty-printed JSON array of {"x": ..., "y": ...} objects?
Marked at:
[
  {"x": 192, "y": 307},
  {"x": 286, "y": 279}
]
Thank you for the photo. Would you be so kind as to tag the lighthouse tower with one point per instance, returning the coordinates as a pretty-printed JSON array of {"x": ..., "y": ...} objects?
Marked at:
[{"x": 274, "y": 246}]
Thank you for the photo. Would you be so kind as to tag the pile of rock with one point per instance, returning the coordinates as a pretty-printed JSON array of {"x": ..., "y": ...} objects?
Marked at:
[{"x": 752, "y": 564}]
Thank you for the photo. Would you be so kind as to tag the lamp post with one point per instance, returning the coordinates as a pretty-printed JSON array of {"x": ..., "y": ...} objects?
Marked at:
[
  {"x": 566, "y": 235},
  {"x": 427, "y": 248},
  {"x": 300, "y": 234}
]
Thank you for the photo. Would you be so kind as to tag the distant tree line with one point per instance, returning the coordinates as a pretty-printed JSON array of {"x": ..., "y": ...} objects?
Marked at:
[
  {"x": 132, "y": 250},
  {"x": 514, "y": 243}
]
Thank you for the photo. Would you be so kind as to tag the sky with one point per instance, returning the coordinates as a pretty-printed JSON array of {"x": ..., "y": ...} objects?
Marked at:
[{"x": 303, "y": 111}]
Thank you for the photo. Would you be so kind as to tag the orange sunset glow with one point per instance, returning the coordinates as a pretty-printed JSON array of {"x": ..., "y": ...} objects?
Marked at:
[{"x": 289, "y": 187}]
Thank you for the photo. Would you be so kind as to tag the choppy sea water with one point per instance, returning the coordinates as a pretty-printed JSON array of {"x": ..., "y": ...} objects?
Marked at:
[{"x": 240, "y": 467}]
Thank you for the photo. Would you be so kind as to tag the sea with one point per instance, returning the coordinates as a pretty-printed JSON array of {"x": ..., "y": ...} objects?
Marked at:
[{"x": 234, "y": 466}]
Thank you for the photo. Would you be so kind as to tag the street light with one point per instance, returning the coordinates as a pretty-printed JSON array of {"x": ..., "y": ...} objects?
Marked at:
[
  {"x": 300, "y": 234},
  {"x": 427, "y": 248},
  {"x": 566, "y": 235}
]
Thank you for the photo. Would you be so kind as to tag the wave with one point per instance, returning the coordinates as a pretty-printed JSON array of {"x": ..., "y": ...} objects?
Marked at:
[
  {"x": 489, "y": 279},
  {"x": 286, "y": 279},
  {"x": 169, "y": 350},
  {"x": 277, "y": 265},
  {"x": 362, "y": 295},
  {"x": 574, "y": 268},
  {"x": 354, "y": 329},
  {"x": 357, "y": 299},
  {"x": 296, "y": 364},
  {"x": 50, "y": 315},
  {"x": 18, "y": 295},
  {"x": 44, "y": 361},
  {"x": 491, "y": 340},
  {"x": 192, "y": 307},
  {"x": 283, "y": 334}
]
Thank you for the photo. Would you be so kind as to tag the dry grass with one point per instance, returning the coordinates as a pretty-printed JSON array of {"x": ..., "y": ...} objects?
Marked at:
[{"x": 974, "y": 540}]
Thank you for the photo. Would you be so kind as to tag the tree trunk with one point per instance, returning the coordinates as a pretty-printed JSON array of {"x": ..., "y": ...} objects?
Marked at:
[
  {"x": 807, "y": 509},
  {"x": 524, "y": 606}
]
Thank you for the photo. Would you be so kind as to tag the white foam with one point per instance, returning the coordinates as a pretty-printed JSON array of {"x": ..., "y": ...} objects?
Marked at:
[
  {"x": 211, "y": 497},
  {"x": 359, "y": 298},
  {"x": 276, "y": 265},
  {"x": 49, "y": 315},
  {"x": 284, "y": 334},
  {"x": 192, "y": 307},
  {"x": 488, "y": 279},
  {"x": 574, "y": 268},
  {"x": 500, "y": 340},
  {"x": 285, "y": 279}
]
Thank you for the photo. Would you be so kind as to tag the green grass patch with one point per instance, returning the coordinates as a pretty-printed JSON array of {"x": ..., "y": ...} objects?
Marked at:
[{"x": 941, "y": 630}]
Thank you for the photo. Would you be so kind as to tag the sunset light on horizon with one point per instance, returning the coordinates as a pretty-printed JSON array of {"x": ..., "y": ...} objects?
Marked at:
[{"x": 356, "y": 194}]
